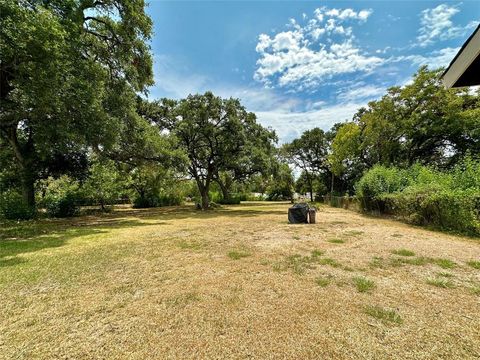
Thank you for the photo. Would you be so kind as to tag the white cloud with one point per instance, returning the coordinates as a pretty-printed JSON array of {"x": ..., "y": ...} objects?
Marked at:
[
  {"x": 297, "y": 59},
  {"x": 290, "y": 125},
  {"x": 366, "y": 92},
  {"x": 434, "y": 60},
  {"x": 344, "y": 14},
  {"x": 437, "y": 25}
]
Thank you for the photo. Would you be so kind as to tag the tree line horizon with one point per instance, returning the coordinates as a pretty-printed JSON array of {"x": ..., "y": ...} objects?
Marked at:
[{"x": 74, "y": 75}]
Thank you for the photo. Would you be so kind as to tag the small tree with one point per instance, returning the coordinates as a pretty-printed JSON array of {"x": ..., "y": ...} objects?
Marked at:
[{"x": 104, "y": 184}]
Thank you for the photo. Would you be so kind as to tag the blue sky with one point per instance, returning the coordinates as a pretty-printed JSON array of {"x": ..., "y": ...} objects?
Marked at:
[{"x": 300, "y": 65}]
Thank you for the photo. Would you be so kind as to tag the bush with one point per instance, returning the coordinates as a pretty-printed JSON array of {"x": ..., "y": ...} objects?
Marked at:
[
  {"x": 156, "y": 200},
  {"x": 14, "y": 207},
  {"x": 376, "y": 182},
  {"x": 457, "y": 210},
  {"x": 233, "y": 200},
  {"x": 62, "y": 197},
  {"x": 424, "y": 196}
]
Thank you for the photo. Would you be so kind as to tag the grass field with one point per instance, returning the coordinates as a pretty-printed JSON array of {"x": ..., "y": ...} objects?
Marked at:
[{"x": 238, "y": 282}]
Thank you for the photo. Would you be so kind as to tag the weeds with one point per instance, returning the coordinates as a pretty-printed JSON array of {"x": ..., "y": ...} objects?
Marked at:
[
  {"x": 237, "y": 255},
  {"x": 190, "y": 245},
  {"x": 299, "y": 264},
  {"x": 444, "y": 274},
  {"x": 353, "y": 233},
  {"x": 336, "y": 241},
  {"x": 403, "y": 252},
  {"x": 323, "y": 281},
  {"x": 444, "y": 263},
  {"x": 383, "y": 314},
  {"x": 474, "y": 264},
  {"x": 363, "y": 284},
  {"x": 440, "y": 282}
]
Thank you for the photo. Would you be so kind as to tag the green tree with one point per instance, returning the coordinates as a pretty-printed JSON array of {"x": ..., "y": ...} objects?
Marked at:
[
  {"x": 256, "y": 156},
  {"x": 310, "y": 154},
  {"x": 281, "y": 183},
  {"x": 420, "y": 122},
  {"x": 104, "y": 184},
  {"x": 214, "y": 133},
  {"x": 69, "y": 72}
]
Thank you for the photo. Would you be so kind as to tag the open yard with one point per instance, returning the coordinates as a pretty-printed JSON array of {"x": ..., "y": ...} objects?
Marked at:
[{"x": 238, "y": 282}]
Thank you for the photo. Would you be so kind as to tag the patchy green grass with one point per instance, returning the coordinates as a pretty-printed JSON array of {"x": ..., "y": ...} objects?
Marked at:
[
  {"x": 403, "y": 252},
  {"x": 440, "y": 282},
  {"x": 444, "y": 263},
  {"x": 299, "y": 263},
  {"x": 316, "y": 253},
  {"x": 353, "y": 233},
  {"x": 475, "y": 290},
  {"x": 363, "y": 284},
  {"x": 474, "y": 264},
  {"x": 323, "y": 281},
  {"x": 238, "y": 254},
  {"x": 445, "y": 274},
  {"x": 336, "y": 241},
  {"x": 147, "y": 270},
  {"x": 417, "y": 261},
  {"x": 189, "y": 245},
  {"x": 383, "y": 314},
  {"x": 329, "y": 261},
  {"x": 377, "y": 262}
]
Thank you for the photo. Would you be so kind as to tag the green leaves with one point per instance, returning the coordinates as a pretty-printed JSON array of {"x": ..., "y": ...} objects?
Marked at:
[{"x": 70, "y": 72}]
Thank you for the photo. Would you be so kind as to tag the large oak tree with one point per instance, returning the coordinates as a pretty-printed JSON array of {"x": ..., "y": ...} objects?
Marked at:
[
  {"x": 218, "y": 136},
  {"x": 69, "y": 74}
]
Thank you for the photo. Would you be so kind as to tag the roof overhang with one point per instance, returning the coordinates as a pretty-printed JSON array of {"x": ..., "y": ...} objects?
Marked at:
[{"x": 464, "y": 70}]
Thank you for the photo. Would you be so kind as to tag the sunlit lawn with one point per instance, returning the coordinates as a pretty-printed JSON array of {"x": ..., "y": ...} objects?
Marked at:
[{"x": 238, "y": 282}]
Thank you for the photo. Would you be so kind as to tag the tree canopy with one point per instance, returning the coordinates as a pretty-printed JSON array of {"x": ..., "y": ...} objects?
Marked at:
[
  {"x": 218, "y": 135},
  {"x": 70, "y": 71}
]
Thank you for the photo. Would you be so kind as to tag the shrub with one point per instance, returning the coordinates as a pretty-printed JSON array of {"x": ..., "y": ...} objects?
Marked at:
[
  {"x": 104, "y": 184},
  {"x": 376, "y": 182},
  {"x": 62, "y": 197},
  {"x": 423, "y": 196},
  {"x": 14, "y": 207},
  {"x": 456, "y": 210},
  {"x": 156, "y": 200},
  {"x": 233, "y": 200}
]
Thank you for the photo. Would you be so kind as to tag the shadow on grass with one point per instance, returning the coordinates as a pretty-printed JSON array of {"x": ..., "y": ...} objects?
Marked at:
[
  {"x": 189, "y": 211},
  {"x": 18, "y": 238},
  {"x": 30, "y": 236}
]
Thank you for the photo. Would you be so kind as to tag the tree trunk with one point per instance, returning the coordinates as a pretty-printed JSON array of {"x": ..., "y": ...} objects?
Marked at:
[
  {"x": 311, "y": 191},
  {"x": 204, "y": 189},
  {"x": 331, "y": 188},
  {"x": 225, "y": 192},
  {"x": 205, "y": 199},
  {"x": 25, "y": 163},
  {"x": 28, "y": 188}
]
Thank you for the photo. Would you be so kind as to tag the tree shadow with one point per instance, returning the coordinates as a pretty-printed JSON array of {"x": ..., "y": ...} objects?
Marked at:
[
  {"x": 17, "y": 238},
  {"x": 189, "y": 211},
  {"x": 21, "y": 238}
]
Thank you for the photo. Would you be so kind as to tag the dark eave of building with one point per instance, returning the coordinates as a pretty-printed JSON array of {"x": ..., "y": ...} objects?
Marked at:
[{"x": 464, "y": 69}]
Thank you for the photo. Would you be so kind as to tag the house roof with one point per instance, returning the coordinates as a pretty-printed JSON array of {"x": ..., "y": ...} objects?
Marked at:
[{"x": 464, "y": 69}]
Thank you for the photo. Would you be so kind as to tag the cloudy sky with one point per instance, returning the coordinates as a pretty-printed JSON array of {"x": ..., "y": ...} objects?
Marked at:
[{"x": 300, "y": 65}]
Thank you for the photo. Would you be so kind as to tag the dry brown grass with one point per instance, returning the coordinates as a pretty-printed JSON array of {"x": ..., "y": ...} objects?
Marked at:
[{"x": 170, "y": 283}]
